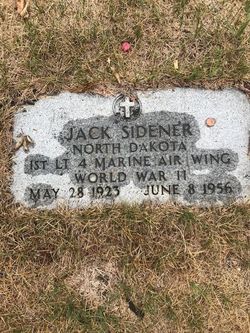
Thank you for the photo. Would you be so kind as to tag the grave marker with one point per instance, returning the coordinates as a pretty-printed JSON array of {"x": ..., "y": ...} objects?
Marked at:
[{"x": 183, "y": 145}]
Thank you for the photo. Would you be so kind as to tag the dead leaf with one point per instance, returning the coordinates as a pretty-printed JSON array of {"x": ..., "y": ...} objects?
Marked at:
[
  {"x": 22, "y": 7},
  {"x": 176, "y": 64},
  {"x": 116, "y": 75},
  {"x": 25, "y": 145},
  {"x": 19, "y": 143},
  {"x": 25, "y": 141},
  {"x": 29, "y": 139}
]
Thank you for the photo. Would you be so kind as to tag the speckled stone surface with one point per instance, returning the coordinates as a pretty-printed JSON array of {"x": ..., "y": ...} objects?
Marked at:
[{"x": 157, "y": 146}]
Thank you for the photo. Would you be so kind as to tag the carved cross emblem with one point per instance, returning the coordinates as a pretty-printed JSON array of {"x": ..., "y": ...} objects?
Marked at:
[{"x": 125, "y": 107}]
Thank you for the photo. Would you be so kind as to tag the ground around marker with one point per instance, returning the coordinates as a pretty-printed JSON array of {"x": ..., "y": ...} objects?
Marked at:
[{"x": 120, "y": 268}]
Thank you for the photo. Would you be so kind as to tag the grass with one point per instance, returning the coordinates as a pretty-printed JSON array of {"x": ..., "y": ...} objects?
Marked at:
[
  {"x": 121, "y": 268},
  {"x": 67, "y": 44},
  {"x": 125, "y": 268}
]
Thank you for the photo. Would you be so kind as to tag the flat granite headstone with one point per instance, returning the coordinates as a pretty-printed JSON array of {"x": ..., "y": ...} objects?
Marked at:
[{"x": 184, "y": 145}]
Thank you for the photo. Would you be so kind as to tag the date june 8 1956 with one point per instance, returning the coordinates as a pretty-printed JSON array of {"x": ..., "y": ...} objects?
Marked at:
[{"x": 114, "y": 191}]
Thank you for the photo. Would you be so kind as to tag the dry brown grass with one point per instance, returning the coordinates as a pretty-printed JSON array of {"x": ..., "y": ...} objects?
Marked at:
[
  {"x": 180, "y": 270},
  {"x": 185, "y": 270},
  {"x": 65, "y": 44}
]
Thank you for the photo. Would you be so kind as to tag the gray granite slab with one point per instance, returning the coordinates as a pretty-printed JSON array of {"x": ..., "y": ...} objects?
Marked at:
[{"x": 183, "y": 145}]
